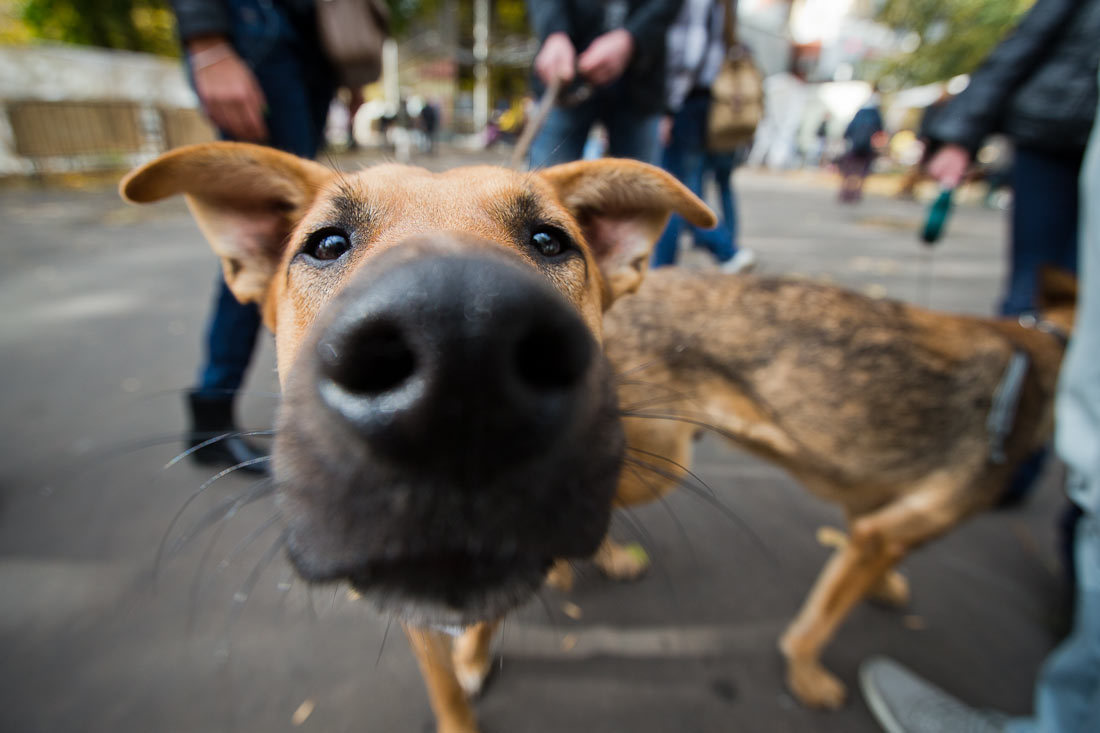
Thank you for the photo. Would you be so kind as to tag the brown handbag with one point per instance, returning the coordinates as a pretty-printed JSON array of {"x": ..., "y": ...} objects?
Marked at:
[
  {"x": 352, "y": 32},
  {"x": 736, "y": 95}
]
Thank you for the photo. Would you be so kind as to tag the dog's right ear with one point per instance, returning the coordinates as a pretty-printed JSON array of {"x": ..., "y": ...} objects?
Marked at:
[{"x": 245, "y": 198}]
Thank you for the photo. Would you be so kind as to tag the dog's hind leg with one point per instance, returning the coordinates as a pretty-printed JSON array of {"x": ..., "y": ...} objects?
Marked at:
[
  {"x": 471, "y": 656},
  {"x": 876, "y": 542},
  {"x": 433, "y": 650}
]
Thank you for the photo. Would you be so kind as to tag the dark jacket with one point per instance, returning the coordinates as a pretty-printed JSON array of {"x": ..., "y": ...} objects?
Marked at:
[
  {"x": 212, "y": 17},
  {"x": 1038, "y": 86},
  {"x": 584, "y": 20}
]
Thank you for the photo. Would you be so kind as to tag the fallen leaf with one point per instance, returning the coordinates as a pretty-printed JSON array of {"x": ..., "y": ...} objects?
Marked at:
[
  {"x": 831, "y": 537},
  {"x": 914, "y": 622},
  {"x": 568, "y": 642},
  {"x": 303, "y": 712},
  {"x": 572, "y": 610}
]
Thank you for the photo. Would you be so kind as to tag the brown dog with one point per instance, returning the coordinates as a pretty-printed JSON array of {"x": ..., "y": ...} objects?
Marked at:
[
  {"x": 449, "y": 424},
  {"x": 881, "y": 407}
]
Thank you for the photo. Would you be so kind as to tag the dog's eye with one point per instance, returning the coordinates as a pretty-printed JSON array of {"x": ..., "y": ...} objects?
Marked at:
[
  {"x": 549, "y": 242},
  {"x": 327, "y": 245}
]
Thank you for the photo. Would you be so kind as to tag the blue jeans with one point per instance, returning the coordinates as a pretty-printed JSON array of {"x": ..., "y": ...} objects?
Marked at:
[
  {"x": 1067, "y": 694},
  {"x": 686, "y": 158},
  {"x": 285, "y": 56},
  {"x": 630, "y": 134},
  {"x": 1044, "y": 223}
]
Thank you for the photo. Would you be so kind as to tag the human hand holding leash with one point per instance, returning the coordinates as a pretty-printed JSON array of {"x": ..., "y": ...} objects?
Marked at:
[
  {"x": 227, "y": 88},
  {"x": 556, "y": 59},
  {"x": 606, "y": 58},
  {"x": 949, "y": 165}
]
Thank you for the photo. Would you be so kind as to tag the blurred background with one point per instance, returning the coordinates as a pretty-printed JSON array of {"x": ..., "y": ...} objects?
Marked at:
[{"x": 128, "y": 604}]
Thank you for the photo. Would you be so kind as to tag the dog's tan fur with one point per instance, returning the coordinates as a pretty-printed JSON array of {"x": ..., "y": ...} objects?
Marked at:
[
  {"x": 256, "y": 205},
  {"x": 875, "y": 405}
]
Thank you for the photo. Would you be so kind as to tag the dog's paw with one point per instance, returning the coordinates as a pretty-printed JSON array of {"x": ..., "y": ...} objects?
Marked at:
[
  {"x": 815, "y": 686},
  {"x": 892, "y": 590},
  {"x": 622, "y": 562},
  {"x": 472, "y": 675}
]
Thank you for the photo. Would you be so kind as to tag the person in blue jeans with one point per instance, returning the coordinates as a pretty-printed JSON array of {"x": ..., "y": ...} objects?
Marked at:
[
  {"x": 261, "y": 76},
  {"x": 1038, "y": 88},
  {"x": 1067, "y": 693},
  {"x": 695, "y": 50},
  {"x": 610, "y": 58}
]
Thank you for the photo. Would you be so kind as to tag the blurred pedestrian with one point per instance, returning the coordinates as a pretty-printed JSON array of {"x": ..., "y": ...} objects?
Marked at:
[
  {"x": 1067, "y": 693},
  {"x": 429, "y": 125},
  {"x": 821, "y": 148},
  {"x": 610, "y": 58},
  {"x": 261, "y": 75},
  {"x": 696, "y": 49},
  {"x": 860, "y": 137},
  {"x": 1036, "y": 87}
]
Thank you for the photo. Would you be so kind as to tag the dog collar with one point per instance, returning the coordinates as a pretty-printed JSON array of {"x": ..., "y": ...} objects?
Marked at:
[{"x": 1030, "y": 321}]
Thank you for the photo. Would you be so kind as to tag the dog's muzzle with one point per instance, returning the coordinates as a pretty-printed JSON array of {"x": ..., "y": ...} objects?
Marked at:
[{"x": 451, "y": 430}]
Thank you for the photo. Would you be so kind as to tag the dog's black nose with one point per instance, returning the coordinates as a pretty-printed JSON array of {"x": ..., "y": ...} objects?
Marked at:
[{"x": 456, "y": 363}]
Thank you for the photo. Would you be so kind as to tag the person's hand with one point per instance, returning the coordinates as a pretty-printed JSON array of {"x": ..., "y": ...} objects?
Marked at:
[
  {"x": 949, "y": 165},
  {"x": 606, "y": 58},
  {"x": 556, "y": 59},
  {"x": 228, "y": 89},
  {"x": 664, "y": 130}
]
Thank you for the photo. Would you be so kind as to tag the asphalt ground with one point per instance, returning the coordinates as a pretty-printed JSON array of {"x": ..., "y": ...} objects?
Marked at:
[{"x": 102, "y": 308}]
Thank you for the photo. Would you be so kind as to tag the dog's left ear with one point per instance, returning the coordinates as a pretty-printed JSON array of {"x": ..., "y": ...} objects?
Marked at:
[
  {"x": 245, "y": 198},
  {"x": 622, "y": 207}
]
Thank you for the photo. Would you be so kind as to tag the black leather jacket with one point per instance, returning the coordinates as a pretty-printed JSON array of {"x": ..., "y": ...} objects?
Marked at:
[
  {"x": 584, "y": 20},
  {"x": 212, "y": 17},
  {"x": 1038, "y": 86}
]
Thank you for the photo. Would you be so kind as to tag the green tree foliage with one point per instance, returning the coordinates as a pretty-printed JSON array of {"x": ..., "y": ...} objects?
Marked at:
[
  {"x": 133, "y": 25},
  {"x": 954, "y": 35}
]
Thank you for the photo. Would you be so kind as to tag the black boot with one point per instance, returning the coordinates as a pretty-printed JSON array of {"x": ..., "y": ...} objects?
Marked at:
[{"x": 211, "y": 417}]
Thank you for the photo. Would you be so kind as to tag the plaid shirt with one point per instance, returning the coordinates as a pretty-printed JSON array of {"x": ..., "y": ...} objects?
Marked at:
[{"x": 695, "y": 49}]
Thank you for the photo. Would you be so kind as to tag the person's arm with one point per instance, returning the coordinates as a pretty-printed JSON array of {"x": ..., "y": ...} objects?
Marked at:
[
  {"x": 548, "y": 17},
  {"x": 649, "y": 21},
  {"x": 974, "y": 113},
  {"x": 227, "y": 88}
]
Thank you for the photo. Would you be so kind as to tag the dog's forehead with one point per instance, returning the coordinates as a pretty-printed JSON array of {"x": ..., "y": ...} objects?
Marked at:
[{"x": 393, "y": 191}]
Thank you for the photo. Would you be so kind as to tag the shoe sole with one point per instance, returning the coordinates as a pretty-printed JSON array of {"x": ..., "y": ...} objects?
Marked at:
[{"x": 878, "y": 706}]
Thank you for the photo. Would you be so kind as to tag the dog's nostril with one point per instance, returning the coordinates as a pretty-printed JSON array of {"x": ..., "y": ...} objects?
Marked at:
[
  {"x": 552, "y": 356},
  {"x": 371, "y": 360}
]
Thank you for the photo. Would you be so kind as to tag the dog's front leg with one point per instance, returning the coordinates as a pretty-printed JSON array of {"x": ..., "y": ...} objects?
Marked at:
[
  {"x": 433, "y": 650},
  {"x": 471, "y": 656}
]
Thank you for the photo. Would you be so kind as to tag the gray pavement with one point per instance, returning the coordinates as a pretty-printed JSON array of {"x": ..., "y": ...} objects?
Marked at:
[{"x": 101, "y": 312}]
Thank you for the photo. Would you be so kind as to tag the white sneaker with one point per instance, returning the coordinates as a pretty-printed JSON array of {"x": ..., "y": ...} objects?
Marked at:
[{"x": 744, "y": 260}]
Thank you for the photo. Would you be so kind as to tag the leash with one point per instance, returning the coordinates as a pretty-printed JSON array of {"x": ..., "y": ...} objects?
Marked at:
[
  {"x": 930, "y": 234},
  {"x": 536, "y": 122}
]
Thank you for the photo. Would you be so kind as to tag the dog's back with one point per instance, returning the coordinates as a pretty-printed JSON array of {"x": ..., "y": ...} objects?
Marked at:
[{"x": 859, "y": 398}]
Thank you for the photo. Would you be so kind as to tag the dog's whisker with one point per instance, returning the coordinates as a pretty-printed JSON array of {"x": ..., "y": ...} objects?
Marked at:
[
  {"x": 382, "y": 646},
  {"x": 241, "y": 596},
  {"x": 216, "y": 439},
  {"x": 253, "y": 492},
  {"x": 709, "y": 498},
  {"x": 633, "y": 465},
  {"x": 635, "y": 369},
  {"x": 656, "y": 560},
  {"x": 675, "y": 464},
  {"x": 540, "y": 596},
  {"x": 247, "y": 541},
  {"x": 196, "y": 587}
]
